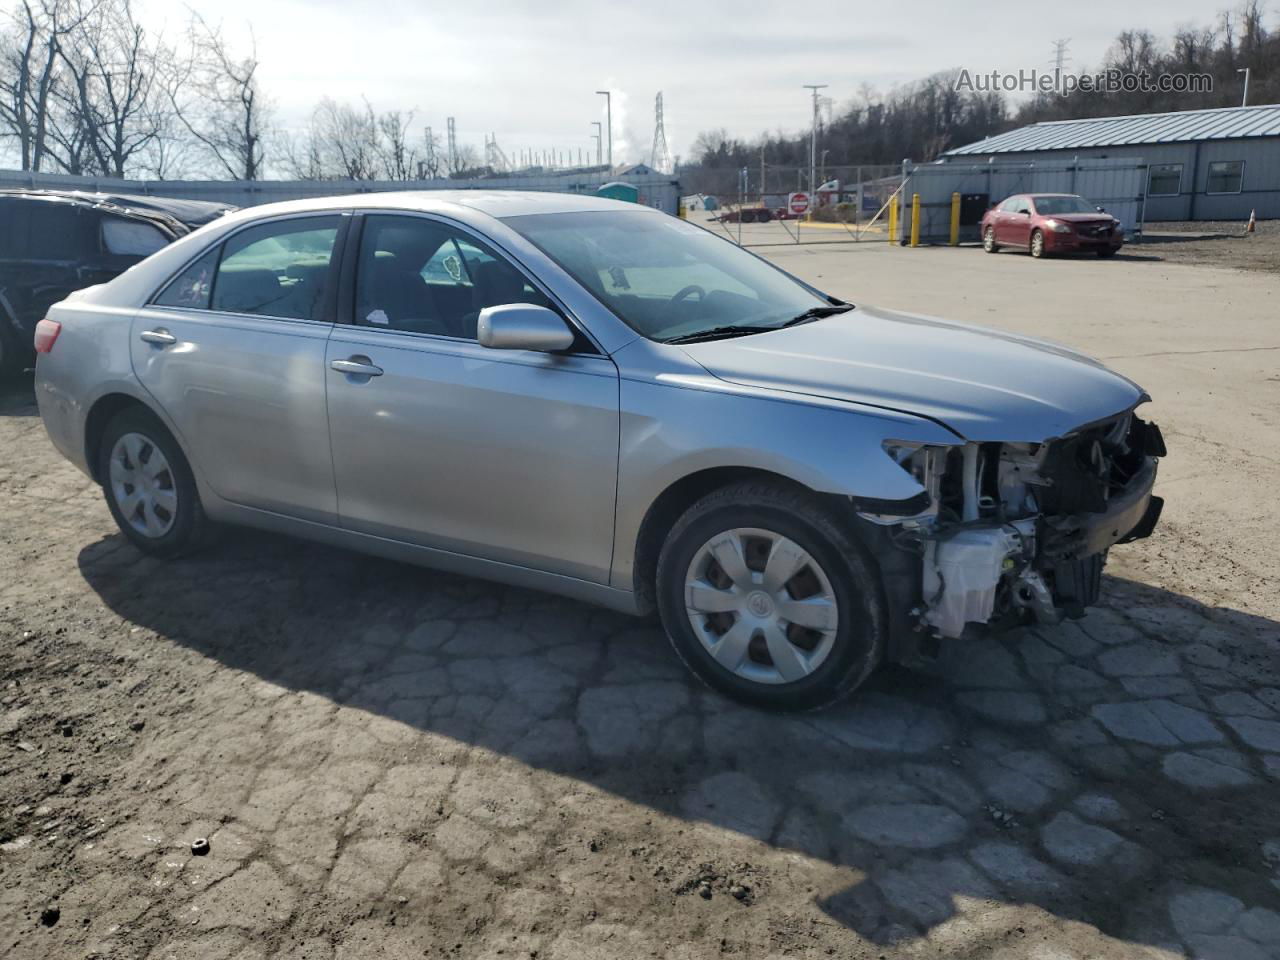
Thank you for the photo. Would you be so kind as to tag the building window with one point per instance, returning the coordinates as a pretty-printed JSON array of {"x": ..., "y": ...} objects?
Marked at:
[
  {"x": 1165, "y": 180},
  {"x": 1225, "y": 176}
]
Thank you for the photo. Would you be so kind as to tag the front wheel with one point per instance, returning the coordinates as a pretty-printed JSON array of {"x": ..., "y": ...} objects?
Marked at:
[
  {"x": 1037, "y": 244},
  {"x": 989, "y": 240},
  {"x": 768, "y": 599},
  {"x": 149, "y": 486},
  {"x": 1105, "y": 252}
]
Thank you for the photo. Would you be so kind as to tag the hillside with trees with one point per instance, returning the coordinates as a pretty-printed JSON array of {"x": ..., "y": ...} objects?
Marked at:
[{"x": 924, "y": 119}]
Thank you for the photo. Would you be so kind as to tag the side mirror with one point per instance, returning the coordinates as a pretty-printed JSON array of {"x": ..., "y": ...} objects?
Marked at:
[
  {"x": 523, "y": 326},
  {"x": 1102, "y": 209}
]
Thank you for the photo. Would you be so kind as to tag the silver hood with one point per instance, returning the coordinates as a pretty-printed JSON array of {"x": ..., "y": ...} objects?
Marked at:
[{"x": 985, "y": 385}]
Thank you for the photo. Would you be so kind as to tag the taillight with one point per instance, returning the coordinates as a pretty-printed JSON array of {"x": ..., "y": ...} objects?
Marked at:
[{"x": 46, "y": 334}]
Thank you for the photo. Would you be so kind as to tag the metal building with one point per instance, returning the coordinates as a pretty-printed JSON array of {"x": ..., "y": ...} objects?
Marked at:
[{"x": 1201, "y": 164}]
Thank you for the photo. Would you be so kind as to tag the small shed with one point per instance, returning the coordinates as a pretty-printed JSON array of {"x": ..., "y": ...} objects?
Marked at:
[{"x": 617, "y": 190}]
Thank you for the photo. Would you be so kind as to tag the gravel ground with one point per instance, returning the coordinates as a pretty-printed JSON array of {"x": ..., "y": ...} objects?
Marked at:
[
  {"x": 390, "y": 762},
  {"x": 1213, "y": 243}
]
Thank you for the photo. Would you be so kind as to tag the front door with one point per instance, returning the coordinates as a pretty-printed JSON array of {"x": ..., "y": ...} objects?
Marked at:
[
  {"x": 1019, "y": 230},
  {"x": 506, "y": 455},
  {"x": 233, "y": 350}
]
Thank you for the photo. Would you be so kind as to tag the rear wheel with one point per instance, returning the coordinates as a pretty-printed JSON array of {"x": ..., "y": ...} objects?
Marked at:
[
  {"x": 1105, "y": 252},
  {"x": 767, "y": 599},
  {"x": 989, "y": 240},
  {"x": 149, "y": 486},
  {"x": 1037, "y": 244}
]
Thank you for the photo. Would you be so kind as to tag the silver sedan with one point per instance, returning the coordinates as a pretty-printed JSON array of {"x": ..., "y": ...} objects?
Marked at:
[{"x": 593, "y": 398}]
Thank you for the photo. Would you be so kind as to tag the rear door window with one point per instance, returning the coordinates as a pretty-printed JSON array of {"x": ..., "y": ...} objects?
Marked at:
[
  {"x": 62, "y": 232},
  {"x": 279, "y": 269}
]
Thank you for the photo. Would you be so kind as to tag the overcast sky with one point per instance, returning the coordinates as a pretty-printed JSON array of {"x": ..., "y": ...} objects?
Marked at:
[{"x": 527, "y": 72}]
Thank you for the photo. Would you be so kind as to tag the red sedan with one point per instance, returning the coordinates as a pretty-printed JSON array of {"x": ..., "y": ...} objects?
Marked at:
[{"x": 1045, "y": 223}]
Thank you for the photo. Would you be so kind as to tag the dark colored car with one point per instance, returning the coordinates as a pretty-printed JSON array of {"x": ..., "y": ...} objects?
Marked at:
[
  {"x": 54, "y": 242},
  {"x": 1045, "y": 223}
]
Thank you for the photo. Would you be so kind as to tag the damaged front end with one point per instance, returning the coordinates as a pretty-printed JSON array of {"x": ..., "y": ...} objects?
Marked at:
[{"x": 1009, "y": 533}]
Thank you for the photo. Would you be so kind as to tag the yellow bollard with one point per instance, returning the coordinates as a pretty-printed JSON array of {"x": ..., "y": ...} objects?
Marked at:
[
  {"x": 915, "y": 219},
  {"x": 955, "y": 219},
  {"x": 893, "y": 219}
]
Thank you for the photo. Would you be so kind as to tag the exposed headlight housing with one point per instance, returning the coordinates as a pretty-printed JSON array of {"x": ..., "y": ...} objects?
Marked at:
[{"x": 1057, "y": 226}]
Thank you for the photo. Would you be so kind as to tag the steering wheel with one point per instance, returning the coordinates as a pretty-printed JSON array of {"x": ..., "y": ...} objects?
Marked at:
[{"x": 685, "y": 292}]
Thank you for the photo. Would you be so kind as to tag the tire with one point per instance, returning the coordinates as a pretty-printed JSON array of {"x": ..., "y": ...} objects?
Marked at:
[
  {"x": 1037, "y": 244},
  {"x": 825, "y": 664},
  {"x": 168, "y": 519},
  {"x": 764, "y": 216},
  {"x": 989, "y": 240},
  {"x": 1107, "y": 252},
  {"x": 747, "y": 216}
]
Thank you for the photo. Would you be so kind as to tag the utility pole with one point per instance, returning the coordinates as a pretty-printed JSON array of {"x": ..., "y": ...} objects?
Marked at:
[
  {"x": 599, "y": 135},
  {"x": 608, "y": 118},
  {"x": 1244, "y": 101},
  {"x": 813, "y": 139},
  {"x": 453, "y": 146}
]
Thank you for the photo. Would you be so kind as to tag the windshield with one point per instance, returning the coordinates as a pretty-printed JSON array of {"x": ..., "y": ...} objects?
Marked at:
[
  {"x": 666, "y": 278},
  {"x": 1049, "y": 206}
]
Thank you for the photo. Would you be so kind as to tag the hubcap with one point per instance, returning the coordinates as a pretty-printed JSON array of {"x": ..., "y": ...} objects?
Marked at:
[
  {"x": 761, "y": 605},
  {"x": 143, "y": 486}
]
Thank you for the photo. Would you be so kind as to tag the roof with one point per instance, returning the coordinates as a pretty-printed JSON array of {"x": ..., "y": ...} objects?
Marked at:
[
  {"x": 1225, "y": 123},
  {"x": 494, "y": 203},
  {"x": 186, "y": 213}
]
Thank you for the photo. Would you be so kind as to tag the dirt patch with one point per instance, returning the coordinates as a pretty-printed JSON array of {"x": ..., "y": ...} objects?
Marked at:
[{"x": 1213, "y": 244}]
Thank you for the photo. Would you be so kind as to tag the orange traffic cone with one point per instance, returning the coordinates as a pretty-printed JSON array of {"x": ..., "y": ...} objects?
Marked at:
[{"x": 1253, "y": 219}]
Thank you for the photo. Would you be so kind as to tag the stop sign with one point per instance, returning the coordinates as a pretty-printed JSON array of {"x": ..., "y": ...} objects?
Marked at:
[{"x": 798, "y": 203}]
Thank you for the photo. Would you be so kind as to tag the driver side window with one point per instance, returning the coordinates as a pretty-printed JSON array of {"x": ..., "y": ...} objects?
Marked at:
[{"x": 424, "y": 276}]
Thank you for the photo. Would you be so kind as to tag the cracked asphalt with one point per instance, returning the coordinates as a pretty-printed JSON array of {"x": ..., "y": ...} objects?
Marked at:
[{"x": 391, "y": 762}]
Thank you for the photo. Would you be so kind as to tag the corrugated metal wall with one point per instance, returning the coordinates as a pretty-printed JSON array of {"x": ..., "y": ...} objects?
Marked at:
[
  {"x": 1117, "y": 185},
  {"x": 1260, "y": 187},
  {"x": 662, "y": 193}
]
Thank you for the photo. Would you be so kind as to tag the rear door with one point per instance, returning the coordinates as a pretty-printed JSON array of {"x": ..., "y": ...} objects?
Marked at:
[{"x": 233, "y": 350}]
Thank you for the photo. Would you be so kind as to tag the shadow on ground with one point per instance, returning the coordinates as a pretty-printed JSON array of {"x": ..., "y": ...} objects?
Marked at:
[{"x": 1120, "y": 771}]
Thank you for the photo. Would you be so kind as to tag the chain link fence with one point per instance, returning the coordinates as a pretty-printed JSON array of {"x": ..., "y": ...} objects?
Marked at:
[{"x": 757, "y": 206}]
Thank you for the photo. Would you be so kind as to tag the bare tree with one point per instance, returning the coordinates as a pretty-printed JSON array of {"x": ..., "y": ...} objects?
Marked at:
[
  {"x": 399, "y": 160},
  {"x": 465, "y": 160},
  {"x": 110, "y": 91},
  {"x": 30, "y": 60},
  {"x": 216, "y": 98},
  {"x": 431, "y": 164}
]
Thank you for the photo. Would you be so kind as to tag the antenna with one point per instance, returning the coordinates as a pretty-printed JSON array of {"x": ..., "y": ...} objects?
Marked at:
[{"x": 660, "y": 159}]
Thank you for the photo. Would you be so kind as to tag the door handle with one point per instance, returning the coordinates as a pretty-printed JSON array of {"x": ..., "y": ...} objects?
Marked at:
[
  {"x": 356, "y": 366},
  {"x": 161, "y": 337}
]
